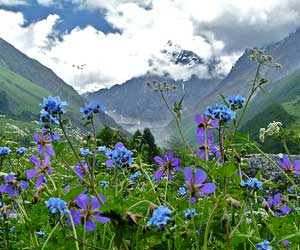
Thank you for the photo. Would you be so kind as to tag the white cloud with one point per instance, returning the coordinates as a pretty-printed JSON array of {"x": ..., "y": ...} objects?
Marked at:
[
  {"x": 217, "y": 30},
  {"x": 46, "y": 2},
  {"x": 13, "y": 2}
]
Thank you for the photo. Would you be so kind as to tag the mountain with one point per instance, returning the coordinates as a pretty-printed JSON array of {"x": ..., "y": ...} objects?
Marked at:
[
  {"x": 24, "y": 82},
  {"x": 134, "y": 105}
]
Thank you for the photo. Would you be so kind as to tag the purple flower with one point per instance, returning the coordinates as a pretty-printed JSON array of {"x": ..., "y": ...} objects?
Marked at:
[
  {"x": 45, "y": 142},
  {"x": 195, "y": 183},
  {"x": 208, "y": 148},
  {"x": 205, "y": 123},
  {"x": 13, "y": 187},
  {"x": 277, "y": 204},
  {"x": 288, "y": 167},
  {"x": 88, "y": 212},
  {"x": 81, "y": 169},
  {"x": 168, "y": 165},
  {"x": 41, "y": 170}
]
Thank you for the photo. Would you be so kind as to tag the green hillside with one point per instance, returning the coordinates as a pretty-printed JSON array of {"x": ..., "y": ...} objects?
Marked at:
[
  {"x": 282, "y": 103},
  {"x": 19, "y": 98}
]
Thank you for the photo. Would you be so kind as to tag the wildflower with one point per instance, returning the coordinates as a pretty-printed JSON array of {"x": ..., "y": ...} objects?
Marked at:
[
  {"x": 13, "y": 187},
  {"x": 278, "y": 205},
  {"x": 262, "y": 133},
  {"x": 85, "y": 152},
  {"x": 81, "y": 169},
  {"x": 21, "y": 151},
  {"x": 168, "y": 165},
  {"x": 205, "y": 123},
  {"x": 12, "y": 229},
  {"x": 45, "y": 142},
  {"x": 190, "y": 212},
  {"x": 235, "y": 102},
  {"x": 119, "y": 156},
  {"x": 51, "y": 107},
  {"x": 273, "y": 128},
  {"x": 252, "y": 183},
  {"x": 104, "y": 184},
  {"x": 41, "y": 233},
  {"x": 90, "y": 109},
  {"x": 207, "y": 147},
  {"x": 102, "y": 149},
  {"x": 220, "y": 112},
  {"x": 4, "y": 151},
  {"x": 182, "y": 191},
  {"x": 160, "y": 217},
  {"x": 135, "y": 175},
  {"x": 196, "y": 183},
  {"x": 288, "y": 167},
  {"x": 56, "y": 205},
  {"x": 41, "y": 170},
  {"x": 264, "y": 245},
  {"x": 88, "y": 212}
]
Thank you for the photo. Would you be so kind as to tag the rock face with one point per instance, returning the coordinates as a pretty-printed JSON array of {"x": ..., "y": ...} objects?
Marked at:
[{"x": 258, "y": 162}]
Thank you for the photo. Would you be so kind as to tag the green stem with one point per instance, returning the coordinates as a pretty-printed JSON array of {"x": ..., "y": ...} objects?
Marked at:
[
  {"x": 253, "y": 90},
  {"x": 208, "y": 225},
  {"x": 50, "y": 235},
  {"x": 74, "y": 232}
]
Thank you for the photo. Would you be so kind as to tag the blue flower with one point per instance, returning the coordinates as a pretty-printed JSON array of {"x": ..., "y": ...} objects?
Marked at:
[
  {"x": 135, "y": 175},
  {"x": 119, "y": 156},
  {"x": 235, "y": 102},
  {"x": 264, "y": 245},
  {"x": 252, "y": 183},
  {"x": 85, "y": 152},
  {"x": 90, "y": 109},
  {"x": 190, "y": 212},
  {"x": 41, "y": 233},
  {"x": 4, "y": 151},
  {"x": 104, "y": 184},
  {"x": 51, "y": 107},
  {"x": 160, "y": 217},
  {"x": 56, "y": 205},
  {"x": 12, "y": 229},
  {"x": 182, "y": 191},
  {"x": 220, "y": 112},
  {"x": 21, "y": 151}
]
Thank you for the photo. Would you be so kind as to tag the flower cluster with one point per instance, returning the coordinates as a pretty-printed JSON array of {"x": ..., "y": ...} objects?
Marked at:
[
  {"x": 120, "y": 156},
  {"x": 4, "y": 151},
  {"x": 220, "y": 112},
  {"x": 90, "y": 109},
  {"x": 56, "y": 205},
  {"x": 168, "y": 165},
  {"x": 190, "y": 212},
  {"x": 51, "y": 108},
  {"x": 160, "y": 217},
  {"x": 85, "y": 152},
  {"x": 273, "y": 128},
  {"x": 278, "y": 205},
  {"x": 264, "y": 245},
  {"x": 21, "y": 151},
  {"x": 135, "y": 176},
  {"x": 252, "y": 184},
  {"x": 235, "y": 102},
  {"x": 13, "y": 187}
]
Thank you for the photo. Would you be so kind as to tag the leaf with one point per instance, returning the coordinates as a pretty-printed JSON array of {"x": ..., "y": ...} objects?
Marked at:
[{"x": 74, "y": 192}]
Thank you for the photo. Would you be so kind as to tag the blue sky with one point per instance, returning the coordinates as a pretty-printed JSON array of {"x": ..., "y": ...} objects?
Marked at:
[{"x": 117, "y": 40}]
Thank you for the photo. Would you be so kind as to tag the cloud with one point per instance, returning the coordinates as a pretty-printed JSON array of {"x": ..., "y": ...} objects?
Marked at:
[
  {"x": 13, "y": 2},
  {"x": 217, "y": 31},
  {"x": 46, "y": 3}
]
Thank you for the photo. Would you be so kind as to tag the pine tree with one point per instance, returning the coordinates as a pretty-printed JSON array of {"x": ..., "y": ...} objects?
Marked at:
[{"x": 150, "y": 146}]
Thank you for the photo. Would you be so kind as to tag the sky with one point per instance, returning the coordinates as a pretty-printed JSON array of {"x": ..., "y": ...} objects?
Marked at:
[{"x": 94, "y": 44}]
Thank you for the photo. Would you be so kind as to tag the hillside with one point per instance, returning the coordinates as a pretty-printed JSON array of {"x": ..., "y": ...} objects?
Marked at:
[{"x": 24, "y": 82}]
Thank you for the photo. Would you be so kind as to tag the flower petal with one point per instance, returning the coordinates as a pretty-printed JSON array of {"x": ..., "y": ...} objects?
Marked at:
[
  {"x": 101, "y": 219},
  {"x": 39, "y": 181},
  {"x": 35, "y": 160},
  {"x": 158, "y": 174},
  {"x": 31, "y": 173},
  {"x": 188, "y": 174},
  {"x": 95, "y": 203},
  {"x": 50, "y": 149},
  {"x": 208, "y": 188},
  {"x": 82, "y": 201},
  {"x": 90, "y": 225},
  {"x": 200, "y": 177},
  {"x": 159, "y": 161}
]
